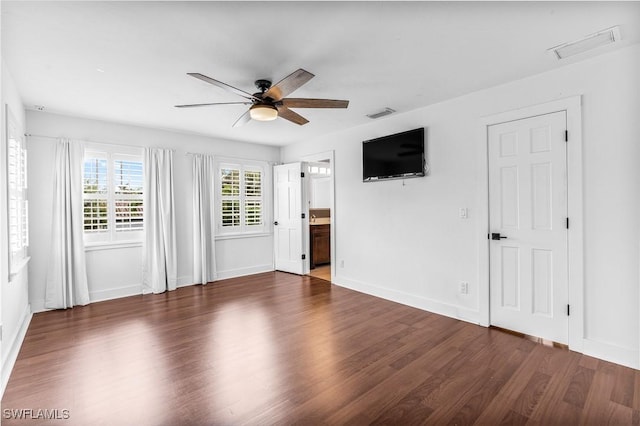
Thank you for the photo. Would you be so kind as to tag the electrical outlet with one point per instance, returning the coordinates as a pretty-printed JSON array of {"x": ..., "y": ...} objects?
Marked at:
[{"x": 464, "y": 287}]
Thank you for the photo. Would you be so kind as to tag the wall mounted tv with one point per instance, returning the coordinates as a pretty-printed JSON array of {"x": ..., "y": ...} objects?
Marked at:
[{"x": 395, "y": 156}]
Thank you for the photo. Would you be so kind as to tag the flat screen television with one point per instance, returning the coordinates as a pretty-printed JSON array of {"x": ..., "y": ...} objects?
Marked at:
[{"x": 394, "y": 157}]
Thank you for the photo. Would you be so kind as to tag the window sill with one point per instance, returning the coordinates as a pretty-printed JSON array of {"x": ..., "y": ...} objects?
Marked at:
[
  {"x": 236, "y": 236},
  {"x": 112, "y": 245},
  {"x": 18, "y": 267}
]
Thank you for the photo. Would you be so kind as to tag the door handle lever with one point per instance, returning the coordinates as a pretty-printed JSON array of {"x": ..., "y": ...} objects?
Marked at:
[{"x": 496, "y": 236}]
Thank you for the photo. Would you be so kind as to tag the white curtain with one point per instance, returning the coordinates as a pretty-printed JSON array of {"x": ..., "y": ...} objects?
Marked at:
[
  {"x": 66, "y": 281},
  {"x": 160, "y": 264},
  {"x": 203, "y": 219}
]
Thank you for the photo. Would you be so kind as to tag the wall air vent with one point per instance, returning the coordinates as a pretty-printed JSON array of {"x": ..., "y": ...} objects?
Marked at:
[
  {"x": 382, "y": 113},
  {"x": 592, "y": 41}
]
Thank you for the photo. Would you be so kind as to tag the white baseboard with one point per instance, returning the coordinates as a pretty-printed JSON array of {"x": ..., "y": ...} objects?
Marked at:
[
  {"x": 187, "y": 280},
  {"x": 15, "y": 343},
  {"x": 38, "y": 306},
  {"x": 426, "y": 304},
  {"x": 241, "y": 272},
  {"x": 115, "y": 293},
  {"x": 612, "y": 353},
  {"x": 97, "y": 296}
]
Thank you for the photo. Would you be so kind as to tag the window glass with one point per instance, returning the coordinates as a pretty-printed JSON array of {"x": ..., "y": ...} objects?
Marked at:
[{"x": 113, "y": 196}]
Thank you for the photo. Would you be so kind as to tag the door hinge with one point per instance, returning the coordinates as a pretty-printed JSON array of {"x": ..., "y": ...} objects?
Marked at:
[
  {"x": 304, "y": 215},
  {"x": 566, "y": 136},
  {"x": 567, "y": 223},
  {"x": 304, "y": 256},
  {"x": 568, "y": 310},
  {"x": 301, "y": 174}
]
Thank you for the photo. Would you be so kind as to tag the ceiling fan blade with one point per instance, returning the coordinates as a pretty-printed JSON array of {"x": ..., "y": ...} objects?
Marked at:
[
  {"x": 314, "y": 103},
  {"x": 288, "y": 84},
  {"x": 223, "y": 85},
  {"x": 215, "y": 103},
  {"x": 244, "y": 119},
  {"x": 287, "y": 114}
]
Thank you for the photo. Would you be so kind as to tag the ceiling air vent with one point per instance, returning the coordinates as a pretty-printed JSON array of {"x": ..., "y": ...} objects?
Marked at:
[
  {"x": 592, "y": 41},
  {"x": 382, "y": 113}
]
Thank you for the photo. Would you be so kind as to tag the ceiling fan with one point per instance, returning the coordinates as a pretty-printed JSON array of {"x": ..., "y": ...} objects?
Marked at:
[{"x": 270, "y": 102}]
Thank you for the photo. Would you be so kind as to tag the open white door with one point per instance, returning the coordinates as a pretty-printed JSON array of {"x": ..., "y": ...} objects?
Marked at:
[
  {"x": 288, "y": 222},
  {"x": 528, "y": 225}
]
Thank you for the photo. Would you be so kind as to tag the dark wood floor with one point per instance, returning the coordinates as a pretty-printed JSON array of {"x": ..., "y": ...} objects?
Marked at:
[{"x": 276, "y": 348}]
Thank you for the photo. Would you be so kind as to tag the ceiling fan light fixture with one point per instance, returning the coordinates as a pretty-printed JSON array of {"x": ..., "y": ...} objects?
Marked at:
[{"x": 263, "y": 112}]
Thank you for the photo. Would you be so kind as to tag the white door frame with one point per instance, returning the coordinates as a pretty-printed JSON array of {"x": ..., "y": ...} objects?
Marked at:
[
  {"x": 573, "y": 108},
  {"x": 305, "y": 227}
]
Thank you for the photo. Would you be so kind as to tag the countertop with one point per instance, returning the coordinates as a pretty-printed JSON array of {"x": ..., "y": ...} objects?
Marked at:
[{"x": 320, "y": 221}]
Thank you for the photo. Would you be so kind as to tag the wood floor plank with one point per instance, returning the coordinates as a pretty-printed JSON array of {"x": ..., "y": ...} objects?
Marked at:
[
  {"x": 277, "y": 348},
  {"x": 623, "y": 389}
]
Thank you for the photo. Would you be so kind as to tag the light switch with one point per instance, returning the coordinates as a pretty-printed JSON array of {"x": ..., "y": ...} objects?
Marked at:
[{"x": 463, "y": 213}]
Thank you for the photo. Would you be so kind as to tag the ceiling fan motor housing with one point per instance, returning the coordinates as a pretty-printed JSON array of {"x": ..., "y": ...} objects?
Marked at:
[{"x": 263, "y": 85}]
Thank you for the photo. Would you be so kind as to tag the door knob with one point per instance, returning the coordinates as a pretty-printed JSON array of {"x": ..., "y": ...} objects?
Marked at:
[
  {"x": 275, "y": 223},
  {"x": 496, "y": 236}
]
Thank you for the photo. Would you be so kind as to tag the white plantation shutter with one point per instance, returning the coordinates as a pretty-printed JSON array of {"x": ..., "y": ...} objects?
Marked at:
[
  {"x": 241, "y": 199},
  {"x": 18, "y": 204},
  {"x": 253, "y": 197},
  {"x": 96, "y": 194},
  {"x": 230, "y": 197},
  {"x": 128, "y": 200}
]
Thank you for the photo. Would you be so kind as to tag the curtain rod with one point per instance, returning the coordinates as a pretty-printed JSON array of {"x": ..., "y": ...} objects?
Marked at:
[
  {"x": 232, "y": 158},
  {"x": 30, "y": 135}
]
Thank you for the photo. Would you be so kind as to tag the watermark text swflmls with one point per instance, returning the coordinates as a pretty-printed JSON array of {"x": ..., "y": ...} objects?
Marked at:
[{"x": 36, "y": 413}]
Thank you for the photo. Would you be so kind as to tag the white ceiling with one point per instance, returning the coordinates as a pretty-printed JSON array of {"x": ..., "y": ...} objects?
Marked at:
[{"x": 402, "y": 55}]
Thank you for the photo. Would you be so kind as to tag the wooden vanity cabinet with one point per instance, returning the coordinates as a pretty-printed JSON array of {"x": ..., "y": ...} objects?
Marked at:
[{"x": 320, "y": 244}]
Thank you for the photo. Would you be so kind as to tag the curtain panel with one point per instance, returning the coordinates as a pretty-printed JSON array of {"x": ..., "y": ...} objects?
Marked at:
[
  {"x": 160, "y": 259},
  {"x": 204, "y": 268},
  {"x": 66, "y": 281}
]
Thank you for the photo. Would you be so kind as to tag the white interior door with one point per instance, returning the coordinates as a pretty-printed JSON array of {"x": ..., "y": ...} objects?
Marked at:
[
  {"x": 288, "y": 221},
  {"x": 528, "y": 225}
]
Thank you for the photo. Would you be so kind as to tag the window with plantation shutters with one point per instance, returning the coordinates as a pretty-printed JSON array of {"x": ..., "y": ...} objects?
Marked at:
[
  {"x": 17, "y": 203},
  {"x": 113, "y": 196},
  {"x": 241, "y": 198}
]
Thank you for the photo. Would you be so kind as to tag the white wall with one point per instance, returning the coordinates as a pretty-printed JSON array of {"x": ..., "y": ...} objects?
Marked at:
[
  {"x": 405, "y": 242},
  {"x": 14, "y": 301},
  {"x": 118, "y": 272}
]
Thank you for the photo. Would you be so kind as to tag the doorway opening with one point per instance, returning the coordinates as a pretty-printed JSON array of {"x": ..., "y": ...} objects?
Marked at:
[{"x": 319, "y": 203}]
